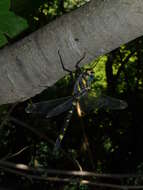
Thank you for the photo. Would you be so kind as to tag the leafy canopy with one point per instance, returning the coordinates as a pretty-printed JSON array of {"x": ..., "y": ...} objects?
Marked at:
[{"x": 10, "y": 24}]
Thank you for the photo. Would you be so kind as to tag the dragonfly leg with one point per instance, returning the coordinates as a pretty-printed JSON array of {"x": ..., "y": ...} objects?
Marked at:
[
  {"x": 76, "y": 65},
  {"x": 64, "y": 68},
  {"x": 78, "y": 62}
]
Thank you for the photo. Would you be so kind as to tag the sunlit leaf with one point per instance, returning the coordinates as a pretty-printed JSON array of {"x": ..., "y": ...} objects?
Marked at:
[{"x": 10, "y": 24}]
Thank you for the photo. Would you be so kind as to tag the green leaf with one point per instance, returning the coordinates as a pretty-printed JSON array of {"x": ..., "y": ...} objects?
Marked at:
[
  {"x": 10, "y": 24},
  {"x": 3, "y": 39}
]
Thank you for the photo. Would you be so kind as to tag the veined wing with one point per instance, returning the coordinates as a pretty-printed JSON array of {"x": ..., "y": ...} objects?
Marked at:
[
  {"x": 106, "y": 102},
  {"x": 50, "y": 108},
  {"x": 60, "y": 108}
]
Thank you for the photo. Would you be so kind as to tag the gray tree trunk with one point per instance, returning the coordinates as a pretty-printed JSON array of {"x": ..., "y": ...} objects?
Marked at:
[{"x": 96, "y": 28}]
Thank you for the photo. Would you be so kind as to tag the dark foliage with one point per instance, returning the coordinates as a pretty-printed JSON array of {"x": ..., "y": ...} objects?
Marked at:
[{"x": 103, "y": 141}]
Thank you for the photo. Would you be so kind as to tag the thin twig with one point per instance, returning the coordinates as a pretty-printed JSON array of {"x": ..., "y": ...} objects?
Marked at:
[
  {"x": 38, "y": 133},
  {"x": 69, "y": 180},
  {"x": 68, "y": 173},
  {"x": 123, "y": 63},
  {"x": 8, "y": 114},
  {"x": 43, "y": 136},
  {"x": 15, "y": 154}
]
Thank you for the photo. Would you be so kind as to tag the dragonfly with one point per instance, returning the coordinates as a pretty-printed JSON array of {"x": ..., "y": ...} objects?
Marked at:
[{"x": 79, "y": 100}]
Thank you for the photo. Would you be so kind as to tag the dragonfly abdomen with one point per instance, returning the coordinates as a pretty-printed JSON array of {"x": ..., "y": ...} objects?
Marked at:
[{"x": 64, "y": 128}]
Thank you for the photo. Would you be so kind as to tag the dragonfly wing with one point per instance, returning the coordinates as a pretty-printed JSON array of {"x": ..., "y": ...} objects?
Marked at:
[
  {"x": 45, "y": 107},
  {"x": 111, "y": 103},
  {"x": 60, "y": 108},
  {"x": 105, "y": 102}
]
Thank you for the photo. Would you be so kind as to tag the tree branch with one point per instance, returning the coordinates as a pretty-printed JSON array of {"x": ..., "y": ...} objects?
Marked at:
[{"x": 96, "y": 28}]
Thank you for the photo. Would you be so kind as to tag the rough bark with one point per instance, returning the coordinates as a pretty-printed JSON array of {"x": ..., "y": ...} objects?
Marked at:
[{"x": 96, "y": 28}]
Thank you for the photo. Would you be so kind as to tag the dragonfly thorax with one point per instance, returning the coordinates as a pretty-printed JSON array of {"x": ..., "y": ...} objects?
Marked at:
[{"x": 83, "y": 83}]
